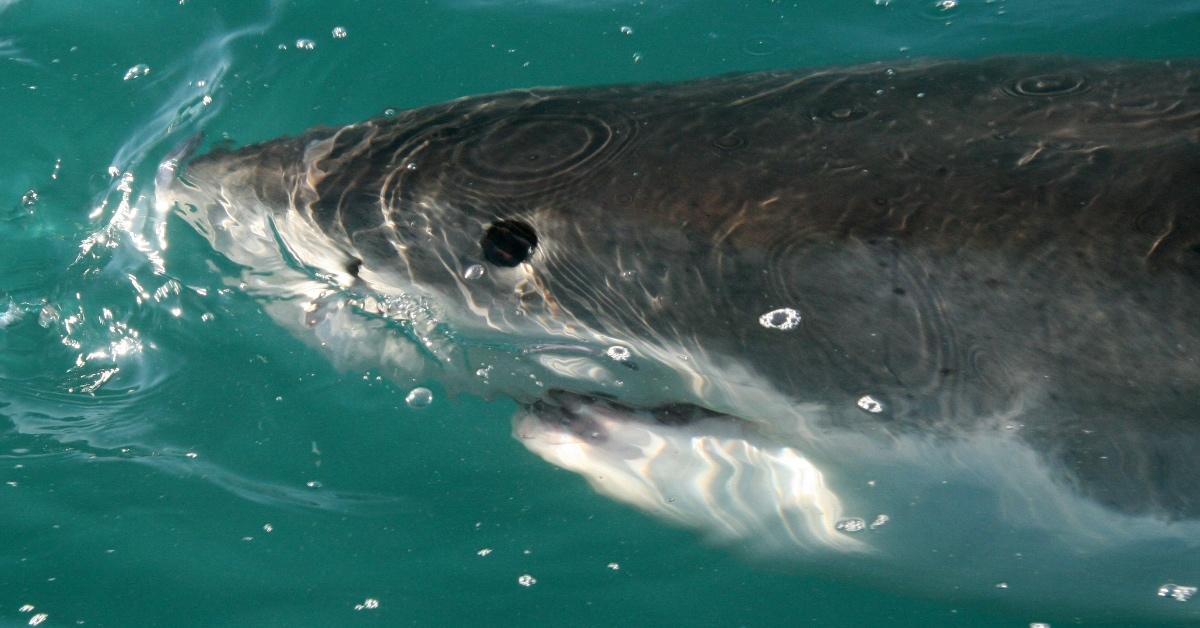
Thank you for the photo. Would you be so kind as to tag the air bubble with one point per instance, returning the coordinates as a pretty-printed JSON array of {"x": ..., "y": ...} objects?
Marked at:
[
  {"x": 853, "y": 524},
  {"x": 625, "y": 30},
  {"x": 761, "y": 46},
  {"x": 637, "y": 57},
  {"x": 137, "y": 71},
  {"x": 474, "y": 271},
  {"x": 870, "y": 404},
  {"x": 1047, "y": 85},
  {"x": 339, "y": 32},
  {"x": 784, "y": 318},
  {"x": 419, "y": 397},
  {"x": 618, "y": 353},
  {"x": 526, "y": 580},
  {"x": 880, "y": 521},
  {"x": 305, "y": 44},
  {"x": 484, "y": 552}
]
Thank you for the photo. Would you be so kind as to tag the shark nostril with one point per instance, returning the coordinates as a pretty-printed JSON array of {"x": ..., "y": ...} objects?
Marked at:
[{"x": 508, "y": 243}]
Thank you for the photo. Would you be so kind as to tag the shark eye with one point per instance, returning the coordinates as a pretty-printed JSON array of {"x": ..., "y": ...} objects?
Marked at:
[{"x": 508, "y": 243}]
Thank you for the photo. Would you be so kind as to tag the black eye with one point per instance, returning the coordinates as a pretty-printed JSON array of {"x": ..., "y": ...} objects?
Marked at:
[{"x": 508, "y": 243}]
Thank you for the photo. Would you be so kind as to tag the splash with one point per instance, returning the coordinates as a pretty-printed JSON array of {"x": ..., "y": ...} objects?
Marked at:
[
  {"x": 132, "y": 241},
  {"x": 95, "y": 330}
]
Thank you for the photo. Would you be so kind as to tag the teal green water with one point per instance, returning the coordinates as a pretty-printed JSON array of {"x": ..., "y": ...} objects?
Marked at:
[{"x": 169, "y": 456}]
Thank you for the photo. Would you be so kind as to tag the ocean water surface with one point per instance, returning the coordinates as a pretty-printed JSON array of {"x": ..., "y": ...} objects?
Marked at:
[{"x": 170, "y": 455}]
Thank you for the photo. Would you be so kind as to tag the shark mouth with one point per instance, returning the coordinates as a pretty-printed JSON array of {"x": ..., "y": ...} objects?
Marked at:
[{"x": 688, "y": 465}]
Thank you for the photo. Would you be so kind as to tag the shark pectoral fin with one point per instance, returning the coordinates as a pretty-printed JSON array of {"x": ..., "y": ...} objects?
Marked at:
[{"x": 704, "y": 474}]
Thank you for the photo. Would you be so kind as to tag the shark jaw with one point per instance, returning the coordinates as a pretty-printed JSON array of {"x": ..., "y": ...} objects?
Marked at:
[{"x": 690, "y": 466}]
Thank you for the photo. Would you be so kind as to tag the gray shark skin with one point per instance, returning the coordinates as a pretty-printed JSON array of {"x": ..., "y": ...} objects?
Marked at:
[{"x": 930, "y": 269}]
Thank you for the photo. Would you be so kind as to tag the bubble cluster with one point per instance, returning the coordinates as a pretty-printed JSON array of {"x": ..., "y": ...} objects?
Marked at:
[
  {"x": 1177, "y": 592},
  {"x": 305, "y": 44},
  {"x": 853, "y": 524},
  {"x": 367, "y": 604},
  {"x": 526, "y": 580},
  {"x": 29, "y": 198},
  {"x": 35, "y": 619},
  {"x": 339, "y": 32}
]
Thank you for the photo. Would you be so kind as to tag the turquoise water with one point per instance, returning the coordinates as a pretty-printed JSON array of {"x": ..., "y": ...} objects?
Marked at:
[{"x": 171, "y": 456}]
